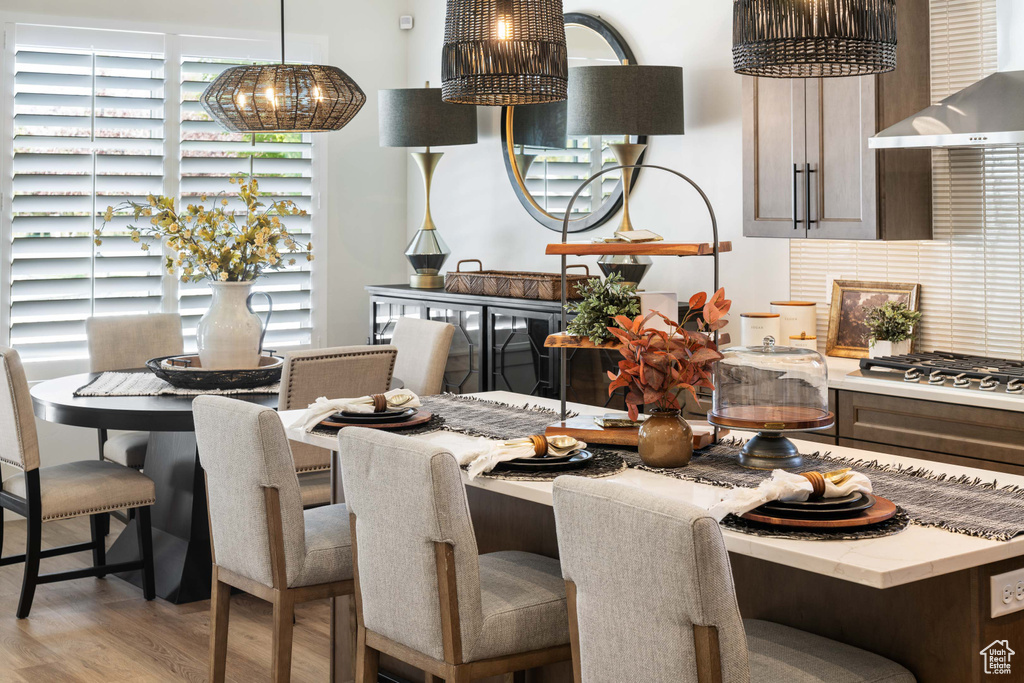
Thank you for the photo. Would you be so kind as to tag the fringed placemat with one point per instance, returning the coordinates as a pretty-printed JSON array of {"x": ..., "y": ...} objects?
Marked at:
[
  {"x": 148, "y": 384},
  {"x": 489, "y": 419},
  {"x": 964, "y": 505},
  {"x": 604, "y": 464},
  {"x": 891, "y": 526}
]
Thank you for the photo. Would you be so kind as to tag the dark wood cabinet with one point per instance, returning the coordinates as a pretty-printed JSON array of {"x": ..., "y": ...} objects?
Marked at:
[{"x": 807, "y": 168}]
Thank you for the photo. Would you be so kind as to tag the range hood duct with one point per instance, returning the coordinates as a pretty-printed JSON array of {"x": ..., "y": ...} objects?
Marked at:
[{"x": 989, "y": 113}]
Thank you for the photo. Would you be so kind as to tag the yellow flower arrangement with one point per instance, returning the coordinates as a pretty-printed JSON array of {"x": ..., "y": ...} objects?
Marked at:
[{"x": 212, "y": 243}]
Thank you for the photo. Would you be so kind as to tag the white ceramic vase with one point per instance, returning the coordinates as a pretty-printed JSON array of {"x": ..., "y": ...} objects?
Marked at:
[
  {"x": 228, "y": 335},
  {"x": 881, "y": 349}
]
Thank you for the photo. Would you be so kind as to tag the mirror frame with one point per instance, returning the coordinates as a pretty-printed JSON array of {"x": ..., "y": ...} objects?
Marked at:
[{"x": 614, "y": 202}]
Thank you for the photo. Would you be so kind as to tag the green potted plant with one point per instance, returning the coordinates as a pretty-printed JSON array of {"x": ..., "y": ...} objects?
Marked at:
[
  {"x": 892, "y": 329},
  {"x": 602, "y": 301}
]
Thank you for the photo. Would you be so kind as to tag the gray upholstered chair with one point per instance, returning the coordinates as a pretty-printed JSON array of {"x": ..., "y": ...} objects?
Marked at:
[
  {"x": 262, "y": 542},
  {"x": 423, "y": 593},
  {"x": 651, "y": 598},
  {"x": 422, "y": 353},
  {"x": 340, "y": 372},
  {"x": 76, "y": 489},
  {"x": 123, "y": 343}
]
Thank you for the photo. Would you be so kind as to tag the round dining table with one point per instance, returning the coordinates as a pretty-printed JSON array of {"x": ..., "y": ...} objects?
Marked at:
[{"x": 181, "y": 532}]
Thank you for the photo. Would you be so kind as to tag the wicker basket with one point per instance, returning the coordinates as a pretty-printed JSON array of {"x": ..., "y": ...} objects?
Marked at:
[{"x": 514, "y": 284}]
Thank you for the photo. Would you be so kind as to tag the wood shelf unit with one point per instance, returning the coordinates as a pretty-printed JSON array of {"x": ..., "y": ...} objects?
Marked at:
[{"x": 636, "y": 249}]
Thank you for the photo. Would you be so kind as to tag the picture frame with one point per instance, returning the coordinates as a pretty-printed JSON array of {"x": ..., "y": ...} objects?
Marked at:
[{"x": 848, "y": 335}]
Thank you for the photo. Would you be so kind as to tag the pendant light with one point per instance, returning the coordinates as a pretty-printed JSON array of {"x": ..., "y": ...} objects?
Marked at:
[
  {"x": 306, "y": 98},
  {"x": 504, "y": 52},
  {"x": 813, "y": 38}
]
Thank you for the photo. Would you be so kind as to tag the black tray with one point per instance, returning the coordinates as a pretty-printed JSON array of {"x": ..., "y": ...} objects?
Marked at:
[
  {"x": 780, "y": 509},
  {"x": 207, "y": 380},
  {"x": 373, "y": 418},
  {"x": 581, "y": 459}
]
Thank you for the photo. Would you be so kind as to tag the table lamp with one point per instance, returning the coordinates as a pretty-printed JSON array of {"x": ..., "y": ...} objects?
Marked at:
[
  {"x": 538, "y": 127},
  {"x": 417, "y": 117},
  {"x": 629, "y": 100}
]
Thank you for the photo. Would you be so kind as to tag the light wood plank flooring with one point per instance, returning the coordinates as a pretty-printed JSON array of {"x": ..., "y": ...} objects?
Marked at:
[{"x": 103, "y": 631}]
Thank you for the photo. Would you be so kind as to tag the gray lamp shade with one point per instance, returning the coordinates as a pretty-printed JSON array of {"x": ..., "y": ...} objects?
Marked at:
[
  {"x": 418, "y": 117},
  {"x": 541, "y": 126},
  {"x": 626, "y": 100}
]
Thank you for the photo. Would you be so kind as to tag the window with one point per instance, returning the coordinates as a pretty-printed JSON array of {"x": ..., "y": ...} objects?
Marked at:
[{"x": 103, "y": 116}]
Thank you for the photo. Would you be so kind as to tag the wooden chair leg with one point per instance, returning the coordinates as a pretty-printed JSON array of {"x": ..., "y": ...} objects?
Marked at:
[
  {"x": 367, "y": 660},
  {"x": 99, "y": 544},
  {"x": 284, "y": 610},
  {"x": 144, "y": 527},
  {"x": 220, "y": 611},
  {"x": 28, "y": 585}
]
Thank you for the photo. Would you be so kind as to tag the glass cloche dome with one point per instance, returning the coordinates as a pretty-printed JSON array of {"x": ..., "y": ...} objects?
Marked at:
[{"x": 771, "y": 390}]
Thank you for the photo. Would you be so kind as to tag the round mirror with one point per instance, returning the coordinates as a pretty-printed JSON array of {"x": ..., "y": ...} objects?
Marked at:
[{"x": 545, "y": 165}]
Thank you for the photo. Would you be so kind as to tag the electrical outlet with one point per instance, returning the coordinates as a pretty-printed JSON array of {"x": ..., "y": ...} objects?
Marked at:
[
  {"x": 406, "y": 22},
  {"x": 1007, "y": 591}
]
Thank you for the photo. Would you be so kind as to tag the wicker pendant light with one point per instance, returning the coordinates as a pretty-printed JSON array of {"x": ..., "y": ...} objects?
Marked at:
[
  {"x": 283, "y": 97},
  {"x": 814, "y": 38},
  {"x": 504, "y": 52}
]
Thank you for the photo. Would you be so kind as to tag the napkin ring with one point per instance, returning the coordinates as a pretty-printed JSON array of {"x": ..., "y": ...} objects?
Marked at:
[
  {"x": 540, "y": 444},
  {"x": 380, "y": 403},
  {"x": 817, "y": 483}
]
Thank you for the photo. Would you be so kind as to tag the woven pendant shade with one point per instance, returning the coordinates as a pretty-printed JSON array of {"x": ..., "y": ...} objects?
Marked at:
[
  {"x": 814, "y": 38},
  {"x": 283, "y": 97},
  {"x": 504, "y": 52}
]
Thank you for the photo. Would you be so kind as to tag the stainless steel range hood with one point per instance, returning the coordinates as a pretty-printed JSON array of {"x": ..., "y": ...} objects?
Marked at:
[{"x": 989, "y": 113}]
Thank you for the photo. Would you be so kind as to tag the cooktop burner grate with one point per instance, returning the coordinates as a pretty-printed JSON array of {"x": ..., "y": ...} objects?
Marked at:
[{"x": 974, "y": 367}]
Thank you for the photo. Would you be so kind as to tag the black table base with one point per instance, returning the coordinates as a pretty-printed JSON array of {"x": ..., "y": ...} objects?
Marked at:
[{"x": 181, "y": 532}]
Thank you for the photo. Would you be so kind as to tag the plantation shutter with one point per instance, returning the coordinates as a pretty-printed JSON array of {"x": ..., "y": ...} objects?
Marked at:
[
  {"x": 282, "y": 164},
  {"x": 88, "y": 132}
]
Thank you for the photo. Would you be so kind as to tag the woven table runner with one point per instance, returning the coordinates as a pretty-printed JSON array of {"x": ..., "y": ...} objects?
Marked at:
[{"x": 148, "y": 384}]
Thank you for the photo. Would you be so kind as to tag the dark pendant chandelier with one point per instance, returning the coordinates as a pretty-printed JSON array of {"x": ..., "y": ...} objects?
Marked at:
[
  {"x": 504, "y": 52},
  {"x": 306, "y": 98},
  {"x": 814, "y": 38}
]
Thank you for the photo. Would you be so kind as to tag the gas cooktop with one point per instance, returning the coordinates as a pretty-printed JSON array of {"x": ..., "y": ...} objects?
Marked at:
[{"x": 956, "y": 370}]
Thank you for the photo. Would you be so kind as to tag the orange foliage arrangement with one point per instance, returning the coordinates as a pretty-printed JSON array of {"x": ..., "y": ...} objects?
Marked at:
[{"x": 657, "y": 364}]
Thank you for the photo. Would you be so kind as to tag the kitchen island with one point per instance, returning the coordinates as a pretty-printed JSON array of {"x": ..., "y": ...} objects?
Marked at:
[{"x": 920, "y": 597}]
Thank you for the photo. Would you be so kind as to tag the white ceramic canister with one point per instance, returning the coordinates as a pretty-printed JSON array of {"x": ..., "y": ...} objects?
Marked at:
[
  {"x": 804, "y": 341},
  {"x": 754, "y": 327},
  {"x": 796, "y": 317}
]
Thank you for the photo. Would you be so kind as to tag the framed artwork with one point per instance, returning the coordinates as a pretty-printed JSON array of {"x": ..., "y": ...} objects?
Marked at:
[{"x": 848, "y": 335}]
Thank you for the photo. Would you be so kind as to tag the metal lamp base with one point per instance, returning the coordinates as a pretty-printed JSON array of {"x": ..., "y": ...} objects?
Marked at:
[
  {"x": 770, "y": 451},
  {"x": 426, "y": 281},
  {"x": 631, "y": 268}
]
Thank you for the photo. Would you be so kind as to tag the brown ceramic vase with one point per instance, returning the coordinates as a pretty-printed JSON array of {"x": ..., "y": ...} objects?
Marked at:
[{"x": 666, "y": 440}]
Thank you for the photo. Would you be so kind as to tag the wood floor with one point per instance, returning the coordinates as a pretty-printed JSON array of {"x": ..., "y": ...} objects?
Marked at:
[{"x": 103, "y": 631}]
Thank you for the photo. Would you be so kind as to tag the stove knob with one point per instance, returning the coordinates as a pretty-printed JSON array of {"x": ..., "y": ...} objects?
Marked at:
[
  {"x": 937, "y": 377},
  {"x": 912, "y": 375},
  {"x": 989, "y": 384},
  {"x": 962, "y": 381},
  {"x": 1015, "y": 386}
]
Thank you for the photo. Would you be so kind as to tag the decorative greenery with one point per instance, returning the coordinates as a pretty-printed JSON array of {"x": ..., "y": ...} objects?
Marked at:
[
  {"x": 212, "y": 243},
  {"x": 656, "y": 364},
  {"x": 893, "y": 321},
  {"x": 603, "y": 301}
]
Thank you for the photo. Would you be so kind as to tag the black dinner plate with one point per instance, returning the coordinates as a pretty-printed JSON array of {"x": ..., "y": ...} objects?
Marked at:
[
  {"x": 548, "y": 459},
  {"x": 779, "y": 509},
  {"x": 373, "y": 418},
  {"x": 581, "y": 459},
  {"x": 818, "y": 503}
]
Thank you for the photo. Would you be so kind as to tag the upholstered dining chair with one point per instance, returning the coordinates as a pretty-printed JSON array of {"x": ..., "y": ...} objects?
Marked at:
[
  {"x": 127, "y": 342},
  {"x": 651, "y": 598},
  {"x": 423, "y": 593},
  {"x": 261, "y": 541},
  {"x": 339, "y": 372},
  {"x": 423, "y": 347},
  {"x": 76, "y": 489}
]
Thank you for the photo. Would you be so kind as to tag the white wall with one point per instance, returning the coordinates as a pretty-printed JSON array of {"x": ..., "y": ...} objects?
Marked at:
[{"x": 480, "y": 217}]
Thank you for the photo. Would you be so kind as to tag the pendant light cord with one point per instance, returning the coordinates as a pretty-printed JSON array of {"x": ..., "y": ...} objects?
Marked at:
[{"x": 282, "y": 31}]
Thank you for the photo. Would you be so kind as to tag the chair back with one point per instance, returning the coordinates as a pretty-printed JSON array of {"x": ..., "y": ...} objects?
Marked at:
[
  {"x": 406, "y": 496},
  {"x": 244, "y": 450},
  {"x": 649, "y": 572},
  {"x": 423, "y": 347},
  {"x": 19, "y": 443},
  {"x": 125, "y": 342},
  {"x": 340, "y": 372}
]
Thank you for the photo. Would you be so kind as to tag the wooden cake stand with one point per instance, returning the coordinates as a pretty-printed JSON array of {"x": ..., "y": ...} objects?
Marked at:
[{"x": 770, "y": 449}]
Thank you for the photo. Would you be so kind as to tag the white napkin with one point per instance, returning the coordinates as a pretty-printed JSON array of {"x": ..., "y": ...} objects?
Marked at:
[
  {"x": 784, "y": 485},
  {"x": 325, "y": 407}
]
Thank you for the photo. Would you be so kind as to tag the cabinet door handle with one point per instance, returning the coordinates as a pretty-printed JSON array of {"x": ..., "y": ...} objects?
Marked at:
[
  {"x": 796, "y": 185},
  {"x": 807, "y": 180}
]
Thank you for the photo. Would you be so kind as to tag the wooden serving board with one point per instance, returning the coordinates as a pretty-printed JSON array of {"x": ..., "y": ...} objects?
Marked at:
[
  {"x": 882, "y": 510},
  {"x": 585, "y": 429},
  {"x": 421, "y": 417}
]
